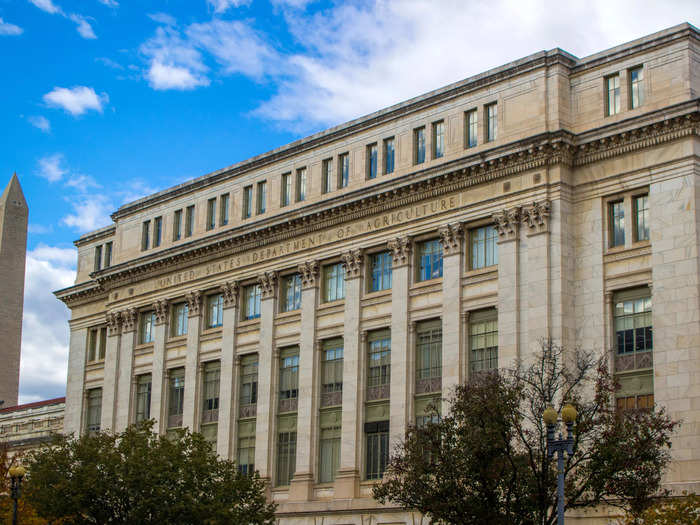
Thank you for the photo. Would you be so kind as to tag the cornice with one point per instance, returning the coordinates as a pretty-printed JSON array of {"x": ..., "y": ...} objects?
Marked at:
[
  {"x": 102, "y": 233},
  {"x": 81, "y": 293}
]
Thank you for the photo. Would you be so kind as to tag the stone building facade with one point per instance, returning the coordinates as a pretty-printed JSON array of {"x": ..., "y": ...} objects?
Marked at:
[
  {"x": 24, "y": 427},
  {"x": 302, "y": 307}
]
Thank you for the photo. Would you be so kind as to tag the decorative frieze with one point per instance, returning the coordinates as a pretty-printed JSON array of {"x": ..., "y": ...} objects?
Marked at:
[
  {"x": 268, "y": 284},
  {"x": 309, "y": 274},
  {"x": 352, "y": 262},
  {"x": 114, "y": 322},
  {"x": 401, "y": 248},
  {"x": 230, "y": 292},
  {"x": 451, "y": 238},
  {"x": 194, "y": 303},
  {"x": 507, "y": 223},
  {"x": 536, "y": 216},
  {"x": 161, "y": 308},
  {"x": 128, "y": 318}
]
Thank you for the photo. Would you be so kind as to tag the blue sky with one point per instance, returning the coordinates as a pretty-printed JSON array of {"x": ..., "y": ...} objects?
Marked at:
[{"x": 104, "y": 101}]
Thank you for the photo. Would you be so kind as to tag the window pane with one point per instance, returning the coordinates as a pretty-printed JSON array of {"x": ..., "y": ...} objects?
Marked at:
[
  {"x": 633, "y": 326},
  {"x": 438, "y": 140},
  {"x": 472, "y": 127},
  {"x": 419, "y": 145},
  {"x": 617, "y": 224},
  {"x": 641, "y": 210},
  {"x": 389, "y": 156},
  {"x": 483, "y": 344},
  {"x": 430, "y": 260}
]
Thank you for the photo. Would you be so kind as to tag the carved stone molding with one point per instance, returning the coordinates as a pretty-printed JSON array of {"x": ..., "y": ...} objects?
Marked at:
[
  {"x": 230, "y": 292},
  {"x": 161, "y": 308},
  {"x": 128, "y": 318},
  {"x": 536, "y": 216},
  {"x": 114, "y": 322},
  {"x": 507, "y": 223},
  {"x": 401, "y": 248},
  {"x": 451, "y": 237},
  {"x": 309, "y": 274},
  {"x": 268, "y": 284},
  {"x": 194, "y": 303},
  {"x": 352, "y": 262}
]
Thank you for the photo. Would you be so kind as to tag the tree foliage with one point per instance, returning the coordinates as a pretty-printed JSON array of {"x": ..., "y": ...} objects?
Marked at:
[
  {"x": 25, "y": 513},
  {"x": 486, "y": 460},
  {"x": 683, "y": 510},
  {"x": 140, "y": 477}
]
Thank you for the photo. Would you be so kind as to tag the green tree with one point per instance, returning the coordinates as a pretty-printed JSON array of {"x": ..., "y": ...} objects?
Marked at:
[
  {"x": 486, "y": 460},
  {"x": 25, "y": 513},
  {"x": 682, "y": 510},
  {"x": 140, "y": 477}
]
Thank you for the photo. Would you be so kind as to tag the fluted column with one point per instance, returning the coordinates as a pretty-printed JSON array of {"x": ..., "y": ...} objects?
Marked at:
[
  {"x": 75, "y": 388},
  {"x": 126, "y": 358},
  {"x": 191, "y": 403},
  {"x": 158, "y": 372},
  {"x": 401, "y": 381},
  {"x": 451, "y": 236},
  {"x": 302, "y": 483},
  {"x": 508, "y": 227},
  {"x": 268, "y": 361},
  {"x": 111, "y": 370},
  {"x": 225, "y": 441}
]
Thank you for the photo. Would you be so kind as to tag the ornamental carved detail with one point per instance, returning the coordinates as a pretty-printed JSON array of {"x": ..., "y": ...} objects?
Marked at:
[
  {"x": 451, "y": 238},
  {"x": 161, "y": 308},
  {"x": 400, "y": 250},
  {"x": 352, "y": 262},
  {"x": 507, "y": 223},
  {"x": 309, "y": 273},
  {"x": 268, "y": 284},
  {"x": 194, "y": 303},
  {"x": 536, "y": 215},
  {"x": 229, "y": 290},
  {"x": 128, "y": 318},
  {"x": 114, "y": 322}
]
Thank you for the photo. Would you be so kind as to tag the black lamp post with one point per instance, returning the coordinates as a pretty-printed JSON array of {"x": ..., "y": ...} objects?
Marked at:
[
  {"x": 568, "y": 416},
  {"x": 16, "y": 474}
]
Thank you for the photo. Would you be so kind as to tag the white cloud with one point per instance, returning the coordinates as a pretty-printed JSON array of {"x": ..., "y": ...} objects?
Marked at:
[
  {"x": 81, "y": 182},
  {"x": 220, "y": 6},
  {"x": 41, "y": 122},
  {"x": 84, "y": 28},
  {"x": 9, "y": 29},
  {"x": 109, "y": 63},
  {"x": 76, "y": 100},
  {"x": 51, "y": 168},
  {"x": 174, "y": 62},
  {"x": 47, "y": 5},
  {"x": 89, "y": 212},
  {"x": 109, "y": 3},
  {"x": 163, "y": 18},
  {"x": 166, "y": 76}
]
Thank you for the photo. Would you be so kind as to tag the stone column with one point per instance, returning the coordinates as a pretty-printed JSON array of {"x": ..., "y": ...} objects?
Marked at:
[
  {"x": 400, "y": 391},
  {"x": 126, "y": 358},
  {"x": 347, "y": 481},
  {"x": 268, "y": 363},
  {"x": 111, "y": 369},
  {"x": 191, "y": 403},
  {"x": 301, "y": 488},
  {"x": 451, "y": 236},
  {"x": 158, "y": 372},
  {"x": 75, "y": 387},
  {"x": 225, "y": 443},
  {"x": 508, "y": 225}
]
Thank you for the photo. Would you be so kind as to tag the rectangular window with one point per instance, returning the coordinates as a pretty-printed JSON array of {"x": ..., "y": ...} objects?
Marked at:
[
  {"x": 94, "y": 410},
  {"x": 380, "y": 268},
  {"x": 389, "y": 155},
  {"x": 427, "y": 410},
  {"x": 612, "y": 95},
  {"x": 329, "y": 445},
  {"x": 483, "y": 341},
  {"x": 251, "y": 298},
  {"x": 472, "y": 128},
  {"x": 215, "y": 310},
  {"x": 332, "y": 373},
  {"x": 247, "y": 202},
  {"x": 98, "y": 258},
  {"x": 262, "y": 196},
  {"x": 637, "y": 402},
  {"x": 377, "y": 449},
  {"x": 636, "y": 79},
  {"x": 143, "y": 398},
  {"x": 178, "y": 321},
  {"x": 289, "y": 380},
  {"x": 333, "y": 282},
  {"x": 430, "y": 260},
  {"x": 286, "y": 457},
  {"x": 291, "y": 292},
  {"x": 343, "y": 170},
  {"x": 286, "y": 197},
  {"x": 428, "y": 357},
  {"x": 484, "y": 247},
  {"x": 371, "y": 161},
  {"x": 157, "y": 231},
  {"x": 176, "y": 397},
  {"x": 108, "y": 254},
  {"x": 249, "y": 386},
  {"x": 301, "y": 184},
  {"x": 491, "y": 111},
  {"x": 97, "y": 344},
  {"x": 419, "y": 145},
  {"x": 246, "y": 447},
  {"x": 378, "y": 366},
  {"x": 210, "y": 393},
  {"x": 146, "y": 235},
  {"x": 641, "y": 214},
  {"x": 189, "y": 221},
  {"x": 617, "y": 224},
  {"x": 223, "y": 209},
  {"x": 327, "y": 174},
  {"x": 147, "y": 321},
  {"x": 438, "y": 140},
  {"x": 177, "y": 225},
  {"x": 633, "y": 327},
  {"x": 211, "y": 214}
]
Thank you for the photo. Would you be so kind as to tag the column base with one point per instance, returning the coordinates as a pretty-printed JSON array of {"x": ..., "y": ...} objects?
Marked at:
[
  {"x": 301, "y": 487},
  {"x": 347, "y": 484}
]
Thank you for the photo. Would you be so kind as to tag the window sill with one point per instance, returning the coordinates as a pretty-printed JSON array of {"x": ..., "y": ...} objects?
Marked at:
[
  {"x": 625, "y": 252},
  {"x": 248, "y": 322},
  {"x": 425, "y": 284},
  {"x": 289, "y": 313},
  {"x": 331, "y": 304},
  {"x": 212, "y": 330},
  {"x": 177, "y": 338},
  {"x": 144, "y": 346},
  {"x": 481, "y": 271},
  {"x": 378, "y": 294}
]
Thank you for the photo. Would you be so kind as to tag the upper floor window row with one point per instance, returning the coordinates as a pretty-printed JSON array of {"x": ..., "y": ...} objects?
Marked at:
[
  {"x": 103, "y": 256},
  {"x": 634, "y": 92}
]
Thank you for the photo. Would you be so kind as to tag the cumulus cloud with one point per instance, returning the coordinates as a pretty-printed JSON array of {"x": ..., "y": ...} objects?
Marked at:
[
  {"x": 84, "y": 28},
  {"x": 9, "y": 29},
  {"x": 47, "y": 5},
  {"x": 89, "y": 212},
  {"x": 168, "y": 76},
  {"x": 220, "y": 6},
  {"x": 41, "y": 122},
  {"x": 76, "y": 100},
  {"x": 82, "y": 25},
  {"x": 51, "y": 167},
  {"x": 174, "y": 62}
]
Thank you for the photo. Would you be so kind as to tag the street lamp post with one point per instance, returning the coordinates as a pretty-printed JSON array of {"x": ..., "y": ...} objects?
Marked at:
[
  {"x": 561, "y": 445},
  {"x": 16, "y": 475}
]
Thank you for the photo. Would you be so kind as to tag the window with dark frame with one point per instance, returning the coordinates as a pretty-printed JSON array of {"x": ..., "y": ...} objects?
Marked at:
[
  {"x": 247, "y": 202},
  {"x": 617, "y": 223},
  {"x": 189, "y": 221},
  {"x": 438, "y": 139},
  {"x": 301, "y": 184},
  {"x": 483, "y": 247},
  {"x": 211, "y": 214},
  {"x": 380, "y": 265},
  {"x": 224, "y": 209},
  {"x": 177, "y": 225},
  {"x": 327, "y": 173},
  {"x": 147, "y": 321},
  {"x": 612, "y": 95},
  {"x": 215, "y": 310},
  {"x": 157, "y": 231},
  {"x": 145, "y": 235},
  {"x": 429, "y": 260},
  {"x": 491, "y": 111},
  {"x": 286, "y": 195},
  {"x": 472, "y": 128},
  {"x": 333, "y": 282},
  {"x": 176, "y": 397},
  {"x": 483, "y": 342},
  {"x": 108, "y": 254},
  {"x": 636, "y": 81},
  {"x": 291, "y": 292},
  {"x": 389, "y": 155},
  {"x": 142, "y": 410},
  {"x": 343, "y": 170},
  {"x": 640, "y": 204},
  {"x": 262, "y": 197},
  {"x": 179, "y": 316},
  {"x": 419, "y": 145},
  {"x": 98, "y": 258},
  {"x": 251, "y": 301},
  {"x": 371, "y": 152}
]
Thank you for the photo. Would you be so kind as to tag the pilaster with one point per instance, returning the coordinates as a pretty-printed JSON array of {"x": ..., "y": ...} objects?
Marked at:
[
  {"x": 508, "y": 226},
  {"x": 126, "y": 356},
  {"x": 158, "y": 383},
  {"x": 225, "y": 441},
  {"x": 120, "y": 325},
  {"x": 75, "y": 387},
  {"x": 194, "y": 322}
]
